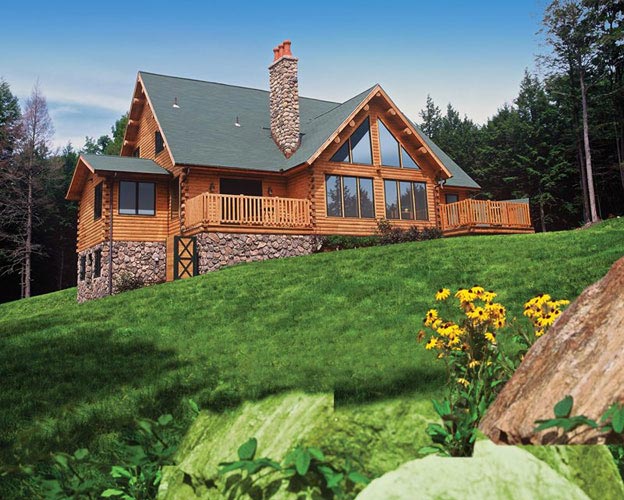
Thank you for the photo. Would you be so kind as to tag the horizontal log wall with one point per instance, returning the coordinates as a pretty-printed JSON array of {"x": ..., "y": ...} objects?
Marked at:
[{"x": 90, "y": 231}]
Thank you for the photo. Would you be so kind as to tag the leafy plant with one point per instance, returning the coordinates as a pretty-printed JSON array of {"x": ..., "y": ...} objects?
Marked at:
[
  {"x": 305, "y": 470},
  {"x": 611, "y": 423},
  {"x": 476, "y": 368}
]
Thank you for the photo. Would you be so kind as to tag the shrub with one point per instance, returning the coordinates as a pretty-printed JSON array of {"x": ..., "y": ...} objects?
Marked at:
[
  {"x": 339, "y": 242},
  {"x": 126, "y": 281},
  {"x": 389, "y": 234}
]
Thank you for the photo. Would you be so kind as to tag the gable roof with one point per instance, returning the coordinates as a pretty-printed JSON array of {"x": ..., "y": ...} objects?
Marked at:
[
  {"x": 104, "y": 164},
  {"x": 202, "y": 130}
]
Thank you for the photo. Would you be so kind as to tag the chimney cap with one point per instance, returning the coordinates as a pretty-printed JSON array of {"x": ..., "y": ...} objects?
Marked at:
[{"x": 283, "y": 49}]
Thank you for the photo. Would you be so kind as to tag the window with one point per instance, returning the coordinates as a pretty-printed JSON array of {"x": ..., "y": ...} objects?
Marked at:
[
  {"x": 97, "y": 265},
  {"x": 349, "y": 197},
  {"x": 83, "y": 268},
  {"x": 174, "y": 188},
  {"x": 392, "y": 153},
  {"x": 357, "y": 148},
  {"x": 451, "y": 198},
  {"x": 159, "y": 144},
  {"x": 97, "y": 204},
  {"x": 137, "y": 198},
  {"x": 137, "y": 153},
  {"x": 406, "y": 200}
]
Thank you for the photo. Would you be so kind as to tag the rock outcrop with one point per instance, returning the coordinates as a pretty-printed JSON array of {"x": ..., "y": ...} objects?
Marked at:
[{"x": 582, "y": 356}]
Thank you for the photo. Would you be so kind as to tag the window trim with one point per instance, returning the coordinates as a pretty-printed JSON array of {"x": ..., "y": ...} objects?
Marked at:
[
  {"x": 350, "y": 149},
  {"x": 136, "y": 198},
  {"x": 342, "y": 202},
  {"x": 97, "y": 207},
  {"x": 400, "y": 148},
  {"x": 416, "y": 208}
]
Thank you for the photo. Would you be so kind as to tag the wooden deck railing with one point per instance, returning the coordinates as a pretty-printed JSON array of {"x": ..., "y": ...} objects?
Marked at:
[
  {"x": 475, "y": 214},
  {"x": 210, "y": 209}
]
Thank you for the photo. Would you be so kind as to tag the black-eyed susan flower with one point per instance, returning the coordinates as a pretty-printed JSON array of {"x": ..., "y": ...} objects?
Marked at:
[
  {"x": 490, "y": 337},
  {"x": 431, "y": 316},
  {"x": 442, "y": 294},
  {"x": 463, "y": 381}
]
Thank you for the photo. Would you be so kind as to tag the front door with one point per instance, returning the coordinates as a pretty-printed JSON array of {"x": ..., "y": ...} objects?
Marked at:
[{"x": 237, "y": 211}]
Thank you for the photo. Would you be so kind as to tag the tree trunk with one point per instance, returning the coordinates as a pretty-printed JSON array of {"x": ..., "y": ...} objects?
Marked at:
[
  {"x": 542, "y": 216},
  {"x": 588, "y": 163},
  {"x": 581, "y": 161},
  {"x": 28, "y": 247}
]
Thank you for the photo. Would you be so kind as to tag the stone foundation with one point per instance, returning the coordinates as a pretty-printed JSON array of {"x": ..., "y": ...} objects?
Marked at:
[
  {"x": 145, "y": 262},
  {"x": 217, "y": 250}
]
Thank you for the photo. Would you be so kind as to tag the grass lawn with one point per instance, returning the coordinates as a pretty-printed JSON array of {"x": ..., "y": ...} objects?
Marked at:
[{"x": 76, "y": 375}]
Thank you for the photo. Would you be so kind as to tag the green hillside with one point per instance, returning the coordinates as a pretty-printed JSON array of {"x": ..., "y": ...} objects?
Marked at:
[{"x": 75, "y": 375}]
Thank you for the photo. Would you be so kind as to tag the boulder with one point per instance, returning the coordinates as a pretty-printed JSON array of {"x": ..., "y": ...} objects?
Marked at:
[
  {"x": 497, "y": 472},
  {"x": 582, "y": 355}
]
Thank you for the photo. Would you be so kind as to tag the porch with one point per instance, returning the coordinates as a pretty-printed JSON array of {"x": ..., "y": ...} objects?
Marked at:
[
  {"x": 214, "y": 211},
  {"x": 482, "y": 217}
]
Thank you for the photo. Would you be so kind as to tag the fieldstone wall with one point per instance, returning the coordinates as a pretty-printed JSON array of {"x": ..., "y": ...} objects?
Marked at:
[
  {"x": 217, "y": 250},
  {"x": 143, "y": 261},
  {"x": 284, "y": 103}
]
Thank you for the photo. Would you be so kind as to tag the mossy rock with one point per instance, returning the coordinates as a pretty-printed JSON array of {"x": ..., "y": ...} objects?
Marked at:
[{"x": 496, "y": 472}]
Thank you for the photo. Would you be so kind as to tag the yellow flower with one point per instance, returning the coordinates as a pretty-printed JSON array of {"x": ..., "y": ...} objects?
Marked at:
[
  {"x": 547, "y": 319},
  {"x": 488, "y": 296},
  {"x": 540, "y": 332},
  {"x": 478, "y": 313},
  {"x": 474, "y": 363},
  {"x": 465, "y": 296},
  {"x": 442, "y": 294},
  {"x": 499, "y": 323},
  {"x": 431, "y": 344},
  {"x": 436, "y": 324},
  {"x": 477, "y": 290},
  {"x": 441, "y": 355},
  {"x": 432, "y": 315},
  {"x": 491, "y": 337},
  {"x": 463, "y": 382}
]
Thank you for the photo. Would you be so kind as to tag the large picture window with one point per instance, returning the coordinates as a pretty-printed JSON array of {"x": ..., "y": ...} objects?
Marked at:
[
  {"x": 350, "y": 197},
  {"x": 357, "y": 148},
  {"x": 137, "y": 198},
  {"x": 392, "y": 153},
  {"x": 97, "y": 203},
  {"x": 406, "y": 200}
]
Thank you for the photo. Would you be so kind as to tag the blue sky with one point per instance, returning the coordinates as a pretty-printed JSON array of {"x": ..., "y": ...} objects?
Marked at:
[{"x": 86, "y": 54}]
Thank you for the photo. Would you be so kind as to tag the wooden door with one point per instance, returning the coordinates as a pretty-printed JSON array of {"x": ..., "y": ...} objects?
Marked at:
[{"x": 184, "y": 257}]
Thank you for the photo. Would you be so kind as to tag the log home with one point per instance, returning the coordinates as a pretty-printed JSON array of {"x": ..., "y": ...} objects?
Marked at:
[{"x": 213, "y": 174}]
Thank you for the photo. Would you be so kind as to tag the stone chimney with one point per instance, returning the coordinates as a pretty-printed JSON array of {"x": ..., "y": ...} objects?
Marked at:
[{"x": 284, "y": 100}]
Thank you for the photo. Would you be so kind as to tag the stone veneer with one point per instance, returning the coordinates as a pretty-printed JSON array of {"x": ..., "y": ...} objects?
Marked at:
[
  {"x": 145, "y": 260},
  {"x": 217, "y": 250},
  {"x": 284, "y": 100}
]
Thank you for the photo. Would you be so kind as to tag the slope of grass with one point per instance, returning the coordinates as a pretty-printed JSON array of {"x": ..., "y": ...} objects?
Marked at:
[{"x": 75, "y": 375}]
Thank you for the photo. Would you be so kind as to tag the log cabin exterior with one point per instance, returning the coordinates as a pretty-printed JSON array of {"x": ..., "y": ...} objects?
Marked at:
[{"x": 213, "y": 174}]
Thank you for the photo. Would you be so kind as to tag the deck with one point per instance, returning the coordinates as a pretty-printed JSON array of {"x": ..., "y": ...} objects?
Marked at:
[
  {"x": 483, "y": 217},
  {"x": 260, "y": 213}
]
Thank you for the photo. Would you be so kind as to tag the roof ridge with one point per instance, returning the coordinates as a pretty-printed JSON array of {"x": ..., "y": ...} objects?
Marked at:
[
  {"x": 343, "y": 103},
  {"x": 228, "y": 85}
]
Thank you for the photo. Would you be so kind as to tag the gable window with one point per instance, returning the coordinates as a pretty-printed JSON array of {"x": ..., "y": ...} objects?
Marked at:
[
  {"x": 406, "y": 200},
  {"x": 349, "y": 197},
  {"x": 83, "y": 268},
  {"x": 97, "y": 203},
  {"x": 451, "y": 198},
  {"x": 392, "y": 153},
  {"x": 97, "y": 265},
  {"x": 137, "y": 198},
  {"x": 159, "y": 144},
  {"x": 357, "y": 148}
]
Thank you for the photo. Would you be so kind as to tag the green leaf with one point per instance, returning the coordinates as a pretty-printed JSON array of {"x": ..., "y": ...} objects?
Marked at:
[
  {"x": 81, "y": 454},
  {"x": 230, "y": 466},
  {"x": 302, "y": 462},
  {"x": 564, "y": 407},
  {"x": 194, "y": 406},
  {"x": 316, "y": 453},
  {"x": 247, "y": 451},
  {"x": 358, "y": 478},
  {"x": 61, "y": 459},
  {"x": 117, "y": 471},
  {"x": 429, "y": 450},
  {"x": 334, "y": 479},
  {"x": 165, "y": 420},
  {"x": 145, "y": 425},
  {"x": 111, "y": 492},
  {"x": 617, "y": 420}
]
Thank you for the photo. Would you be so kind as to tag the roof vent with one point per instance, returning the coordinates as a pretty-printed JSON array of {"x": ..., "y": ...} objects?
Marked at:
[
  {"x": 237, "y": 122},
  {"x": 175, "y": 103}
]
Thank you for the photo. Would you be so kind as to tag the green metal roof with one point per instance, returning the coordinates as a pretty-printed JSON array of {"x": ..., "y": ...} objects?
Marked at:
[
  {"x": 203, "y": 131},
  {"x": 127, "y": 164}
]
